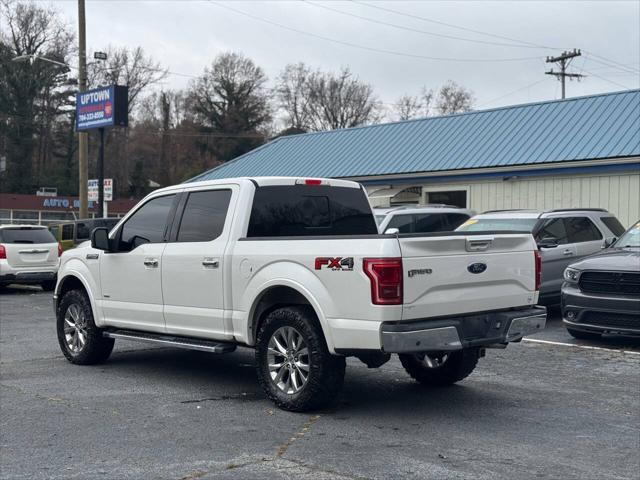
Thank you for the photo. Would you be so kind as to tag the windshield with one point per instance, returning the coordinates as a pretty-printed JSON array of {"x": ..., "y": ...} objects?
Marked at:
[
  {"x": 498, "y": 225},
  {"x": 630, "y": 239}
]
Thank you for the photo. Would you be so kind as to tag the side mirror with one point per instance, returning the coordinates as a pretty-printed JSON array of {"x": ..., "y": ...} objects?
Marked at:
[
  {"x": 100, "y": 239},
  {"x": 609, "y": 241},
  {"x": 548, "y": 242},
  {"x": 391, "y": 231}
]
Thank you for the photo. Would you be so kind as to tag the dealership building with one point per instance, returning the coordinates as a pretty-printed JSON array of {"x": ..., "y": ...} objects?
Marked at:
[
  {"x": 574, "y": 153},
  {"x": 45, "y": 210}
]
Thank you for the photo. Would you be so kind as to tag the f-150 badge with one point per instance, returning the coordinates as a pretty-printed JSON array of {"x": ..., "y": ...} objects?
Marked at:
[{"x": 336, "y": 263}]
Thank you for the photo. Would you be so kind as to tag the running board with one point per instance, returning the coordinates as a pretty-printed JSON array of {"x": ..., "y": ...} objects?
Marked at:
[{"x": 211, "y": 346}]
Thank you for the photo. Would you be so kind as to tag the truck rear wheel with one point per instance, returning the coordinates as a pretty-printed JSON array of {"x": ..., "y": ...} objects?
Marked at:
[
  {"x": 444, "y": 368},
  {"x": 293, "y": 364},
  {"x": 79, "y": 338}
]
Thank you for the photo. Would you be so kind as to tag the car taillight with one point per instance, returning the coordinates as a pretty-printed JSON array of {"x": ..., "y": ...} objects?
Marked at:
[
  {"x": 386, "y": 280},
  {"x": 538, "y": 262},
  {"x": 3, "y": 252},
  {"x": 59, "y": 249}
]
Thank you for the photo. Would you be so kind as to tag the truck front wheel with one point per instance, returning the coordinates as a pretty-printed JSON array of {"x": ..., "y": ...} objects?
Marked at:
[
  {"x": 293, "y": 364},
  {"x": 444, "y": 368},
  {"x": 79, "y": 338}
]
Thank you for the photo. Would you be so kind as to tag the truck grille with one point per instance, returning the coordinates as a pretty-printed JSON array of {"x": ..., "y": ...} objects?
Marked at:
[
  {"x": 605, "y": 319},
  {"x": 621, "y": 283}
]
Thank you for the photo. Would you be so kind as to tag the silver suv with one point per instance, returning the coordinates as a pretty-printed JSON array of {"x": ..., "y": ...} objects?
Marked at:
[
  {"x": 421, "y": 218},
  {"x": 563, "y": 236}
]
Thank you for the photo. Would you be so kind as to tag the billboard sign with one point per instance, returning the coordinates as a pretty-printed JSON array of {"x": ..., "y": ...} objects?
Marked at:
[
  {"x": 92, "y": 188},
  {"x": 102, "y": 107}
]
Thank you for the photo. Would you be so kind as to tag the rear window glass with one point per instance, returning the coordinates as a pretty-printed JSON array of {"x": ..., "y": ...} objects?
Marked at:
[
  {"x": 614, "y": 225},
  {"x": 498, "y": 225},
  {"x": 26, "y": 235},
  {"x": 309, "y": 210}
]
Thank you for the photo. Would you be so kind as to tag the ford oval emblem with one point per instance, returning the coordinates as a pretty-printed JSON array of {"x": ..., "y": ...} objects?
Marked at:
[{"x": 477, "y": 267}]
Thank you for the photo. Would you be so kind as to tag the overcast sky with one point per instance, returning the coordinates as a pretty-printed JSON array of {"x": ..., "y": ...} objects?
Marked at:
[{"x": 186, "y": 35}]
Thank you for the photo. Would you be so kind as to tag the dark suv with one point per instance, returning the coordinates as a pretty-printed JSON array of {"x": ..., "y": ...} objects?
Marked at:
[{"x": 601, "y": 293}]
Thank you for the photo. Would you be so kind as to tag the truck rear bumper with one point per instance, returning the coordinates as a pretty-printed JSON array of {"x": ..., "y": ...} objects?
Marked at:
[{"x": 455, "y": 333}]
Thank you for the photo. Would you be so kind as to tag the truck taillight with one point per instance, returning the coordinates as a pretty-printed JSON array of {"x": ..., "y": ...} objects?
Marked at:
[
  {"x": 386, "y": 280},
  {"x": 3, "y": 252},
  {"x": 59, "y": 249},
  {"x": 538, "y": 262}
]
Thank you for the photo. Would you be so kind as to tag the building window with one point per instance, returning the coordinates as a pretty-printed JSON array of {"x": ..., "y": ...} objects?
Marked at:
[
  {"x": 5, "y": 216},
  {"x": 25, "y": 216},
  {"x": 457, "y": 198}
]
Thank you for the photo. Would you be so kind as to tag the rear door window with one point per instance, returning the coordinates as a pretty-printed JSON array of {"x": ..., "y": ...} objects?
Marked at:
[
  {"x": 26, "y": 235},
  {"x": 310, "y": 210},
  {"x": 204, "y": 216},
  {"x": 404, "y": 223},
  {"x": 67, "y": 231},
  {"x": 581, "y": 229},
  {"x": 454, "y": 220},
  {"x": 429, "y": 222}
]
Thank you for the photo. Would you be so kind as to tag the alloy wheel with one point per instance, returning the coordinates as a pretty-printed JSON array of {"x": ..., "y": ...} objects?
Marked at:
[
  {"x": 288, "y": 360},
  {"x": 75, "y": 328}
]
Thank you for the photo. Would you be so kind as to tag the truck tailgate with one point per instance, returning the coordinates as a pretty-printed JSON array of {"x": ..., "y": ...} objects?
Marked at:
[{"x": 459, "y": 274}]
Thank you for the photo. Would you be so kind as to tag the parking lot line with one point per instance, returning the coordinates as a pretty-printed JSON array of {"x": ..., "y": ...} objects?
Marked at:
[{"x": 587, "y": 347}]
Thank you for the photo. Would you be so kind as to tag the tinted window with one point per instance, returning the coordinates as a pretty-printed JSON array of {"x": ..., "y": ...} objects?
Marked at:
[
  {"x": 404, "y": 223},
  {"x": 554, "y": 228},
  {"x": 147, "y": 223},
  {"x": 456, "y": 198},
  {"x": 204, "y": 216},
  {"x": 429, "y": 222},
  {"x": 67, "y": 232},
  {"x": 454, "y": 220},
  {"x": 614, "y": 225},
  {"x": 304, "y": 210},
  {"x": 26, "y": 235},
  {"x": 581, "y": 229},
  {"x": 83, "y": 230}
]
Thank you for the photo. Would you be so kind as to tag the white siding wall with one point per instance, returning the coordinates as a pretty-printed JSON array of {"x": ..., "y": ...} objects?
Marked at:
[{"x": 620, "y": 193}]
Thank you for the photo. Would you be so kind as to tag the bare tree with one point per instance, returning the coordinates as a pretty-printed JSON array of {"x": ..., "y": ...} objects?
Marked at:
[
  {"x": 408, "y": 107},
  {"x": 130, "y": 67},
  {"x": 231, "y": 100},
  {"x": 340, "y": 101},
  {"x": 453, "y": 98},
  {"x": 292, "y": 95}
]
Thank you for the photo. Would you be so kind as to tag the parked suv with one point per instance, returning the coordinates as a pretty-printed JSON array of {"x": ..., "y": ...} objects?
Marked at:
[
  {"x": 28, "y": 255},
  {"x": 421, "y": 218},
  {"x": 71, "y": 234},
  {"x": 563, "y": 236},
  {"x": 601, "y": 293}
]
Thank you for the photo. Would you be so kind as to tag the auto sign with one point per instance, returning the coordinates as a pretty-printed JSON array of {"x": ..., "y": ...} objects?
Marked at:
[{"x": 102, "y": 107}]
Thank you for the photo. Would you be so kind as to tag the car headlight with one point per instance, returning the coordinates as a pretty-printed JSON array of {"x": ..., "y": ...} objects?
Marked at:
[{"x": 572, "y": 275}]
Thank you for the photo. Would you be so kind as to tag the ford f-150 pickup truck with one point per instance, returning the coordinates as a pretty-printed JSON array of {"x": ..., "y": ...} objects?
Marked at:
[{"x": 296, "y": 269}]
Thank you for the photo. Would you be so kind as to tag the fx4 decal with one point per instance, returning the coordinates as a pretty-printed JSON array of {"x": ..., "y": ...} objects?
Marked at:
[{"x": 336, "y": 263}]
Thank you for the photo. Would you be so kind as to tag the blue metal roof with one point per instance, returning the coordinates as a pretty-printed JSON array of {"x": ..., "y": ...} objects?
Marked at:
[{"x": 583, "y": 128}]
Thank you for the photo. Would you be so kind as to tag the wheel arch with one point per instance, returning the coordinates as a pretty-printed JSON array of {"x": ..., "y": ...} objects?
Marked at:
[
  {"x": 73, "y": 281},
  {"x": 282, "y": 293}
]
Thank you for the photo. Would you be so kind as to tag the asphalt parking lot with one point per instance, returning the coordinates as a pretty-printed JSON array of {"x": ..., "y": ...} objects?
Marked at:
[{"x": 548, "y": 408}]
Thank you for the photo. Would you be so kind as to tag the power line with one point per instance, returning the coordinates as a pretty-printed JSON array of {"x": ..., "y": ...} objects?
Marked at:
[
  {"x": 416, "y": 30},
  {"x": 364, "y": 47},
  {"x": 612, "y": 63},
  {"x": 564, "y": 59},
  {"x": 450, "y": 25},
  {"x": 512, "y": 92},
  {"x": 608, "y": 80}
]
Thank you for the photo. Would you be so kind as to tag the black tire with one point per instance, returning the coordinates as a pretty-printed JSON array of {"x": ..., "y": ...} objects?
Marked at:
[
  {"x": 48, "y": 286},
  {"x": 325, "y": 371},
  {"x": 580, "y": 335},
  {"x": 457, "y": 366},
  {"x": 96, "y": 348}
]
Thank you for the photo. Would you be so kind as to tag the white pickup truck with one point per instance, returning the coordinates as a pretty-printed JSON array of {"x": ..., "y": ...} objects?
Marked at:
[{"x": 296, "y": 269}]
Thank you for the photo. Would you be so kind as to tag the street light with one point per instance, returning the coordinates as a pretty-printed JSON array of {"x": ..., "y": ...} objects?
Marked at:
[{"x": 31, "y": 57}]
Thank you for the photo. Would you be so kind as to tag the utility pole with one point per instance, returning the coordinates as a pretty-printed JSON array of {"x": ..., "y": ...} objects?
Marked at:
[
  {"x": 564, "y": 60},
  {"x": 83, "y": 140}
]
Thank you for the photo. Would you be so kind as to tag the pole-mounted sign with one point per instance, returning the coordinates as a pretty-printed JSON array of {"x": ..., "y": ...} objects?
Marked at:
[
  {"x": 99, "y": 108},
  {"x": 102, "y": 107}
]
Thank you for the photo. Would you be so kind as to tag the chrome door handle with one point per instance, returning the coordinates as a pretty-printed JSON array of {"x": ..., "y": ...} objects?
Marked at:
[
  {"x": 210, "y": 263},
  {"x": 151, "y": 262},
  {"x": 567, "y": 252}
]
